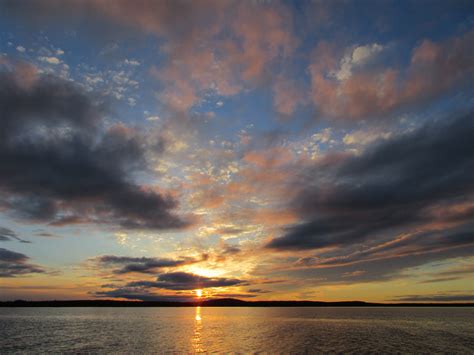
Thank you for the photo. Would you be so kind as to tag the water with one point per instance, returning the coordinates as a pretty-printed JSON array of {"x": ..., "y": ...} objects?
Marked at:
[{"x": 272, "y": 330}]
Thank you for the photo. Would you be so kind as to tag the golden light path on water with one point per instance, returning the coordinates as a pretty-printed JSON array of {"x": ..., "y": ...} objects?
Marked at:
[{"x": 197, "y": 336}]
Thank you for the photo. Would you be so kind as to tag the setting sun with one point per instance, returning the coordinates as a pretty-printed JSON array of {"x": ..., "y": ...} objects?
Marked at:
[{"x": 199, "y": 293}]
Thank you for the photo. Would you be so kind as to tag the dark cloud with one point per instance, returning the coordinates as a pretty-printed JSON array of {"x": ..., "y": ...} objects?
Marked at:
[
  {"x": 451, "y": 275},
  {"x": 61, "y": 165},
  {"x": 140, "y": 294},
  {"x": 236, "y": 295},
  {"x": 16, "y": 264},
  {"x": 46, "y": 235},
  {"x": 230, "y": 231},
  {"x": 401, "y": 203},
  {"x": 257, "y": 290},
  {"x": 142, "y": 264},
  {"x": 390, "y": 188},
  {"x": 186, "y": 281},
  {"x": 408, "y": 245},
  {"x": 231, "y": 249},
  {"x": 439, "y": 279},
  {"x": 469, "y": 269},
  {"x": 7, "y": 235},
  {"x": 383, "y": 262},
  {"x": 175, "y": 281},
  {"x": 179, "y": 19},
  {"x": 448, "y": 297}
]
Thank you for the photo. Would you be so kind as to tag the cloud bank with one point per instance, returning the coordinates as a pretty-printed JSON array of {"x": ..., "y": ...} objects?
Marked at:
[
  {"x": 62, "y": 165},
  {"x": 410, "y": 180}
]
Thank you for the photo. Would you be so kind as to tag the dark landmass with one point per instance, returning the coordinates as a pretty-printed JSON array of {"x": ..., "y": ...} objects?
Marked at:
[{"x": 224, "y": 302}]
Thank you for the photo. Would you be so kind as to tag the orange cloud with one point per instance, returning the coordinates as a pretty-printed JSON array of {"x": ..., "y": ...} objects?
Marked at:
[
  {"x": 269, "y": 158},
  {"x": 271, "y": 217}
]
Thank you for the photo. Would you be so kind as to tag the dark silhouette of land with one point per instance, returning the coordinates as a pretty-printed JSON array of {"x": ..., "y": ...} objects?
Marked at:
[{"x": 223, "y": 302}]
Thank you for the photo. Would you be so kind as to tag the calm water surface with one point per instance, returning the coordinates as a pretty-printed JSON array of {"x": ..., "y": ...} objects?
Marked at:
[{"x": 272, "y": 330}]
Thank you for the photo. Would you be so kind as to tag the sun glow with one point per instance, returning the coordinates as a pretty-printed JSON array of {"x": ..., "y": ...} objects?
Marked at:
[
  {"x": 199, "y": 293},
  {"x": 204, "y": 272}
]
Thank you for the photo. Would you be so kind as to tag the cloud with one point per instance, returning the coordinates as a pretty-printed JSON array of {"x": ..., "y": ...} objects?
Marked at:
[
  {"x": 379, "y": 260},
  {"x": 132, "y": 293},
  {"x": 257, "y": 290},
  {"x": 236, "y": 295},
  {"x": 142, "y": 264},
  {"x": 132, "y": 62},
  {"x": 50, "y": 60},
  {"x": 186, "y": 281},
  {"x": 222, "y": 47},
  {"x": 14, "y": 264},
  {"x": 359, "y": 56},
  {"x": 439, "y": 279},
  {"x": 349, "y": 89},
  {"x": 61, "y": 165},
  {"x": 231, "y": 249},
  {"x": 7, "y": 235},
  {"x": 395, "y": 186},
  {"x": 287, "y": 95},
  {"x": 457, "y": 273},
  {"x": 448, "y": 297},
  {"x": 46, "y": 235},
  {"x": 384, "y": 260},
  {"x": 232, "y": 54},
  {"x": 171, "y": 281},
  {"x": 365, "y": 136}
]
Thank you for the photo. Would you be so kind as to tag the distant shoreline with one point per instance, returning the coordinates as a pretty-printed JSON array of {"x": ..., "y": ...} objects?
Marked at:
[{"x": 219, "y": 303}]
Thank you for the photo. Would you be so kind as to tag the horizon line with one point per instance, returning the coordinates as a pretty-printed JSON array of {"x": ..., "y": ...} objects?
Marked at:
[{"x": 227, "y": 302}]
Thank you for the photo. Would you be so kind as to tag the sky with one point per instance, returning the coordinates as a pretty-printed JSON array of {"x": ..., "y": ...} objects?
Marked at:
[{"x": 260, "y": 150}]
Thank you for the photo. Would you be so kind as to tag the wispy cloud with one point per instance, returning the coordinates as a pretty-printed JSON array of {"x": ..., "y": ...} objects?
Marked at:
[{"x": 16, "y": 264}]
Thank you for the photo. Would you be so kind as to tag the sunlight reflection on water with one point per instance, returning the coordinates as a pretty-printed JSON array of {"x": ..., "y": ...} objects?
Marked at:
[
  {"x": 239, "y": 329},
  {"x": 196, "y": 340}
]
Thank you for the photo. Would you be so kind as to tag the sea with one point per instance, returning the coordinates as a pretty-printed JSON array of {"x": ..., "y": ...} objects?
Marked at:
[{"x": 237, "y": 329}]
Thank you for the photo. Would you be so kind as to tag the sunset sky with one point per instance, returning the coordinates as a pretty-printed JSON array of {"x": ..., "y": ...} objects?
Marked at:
[{"x": 260, "y": 150}]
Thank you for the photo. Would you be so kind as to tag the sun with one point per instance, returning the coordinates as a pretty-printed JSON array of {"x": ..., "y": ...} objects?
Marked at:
[{"x": 199, "y": 293}]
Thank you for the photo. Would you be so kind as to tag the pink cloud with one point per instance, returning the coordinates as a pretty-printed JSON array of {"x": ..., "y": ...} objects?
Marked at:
[
  {"x": 434, "y": 69},
  {"x": 212, "y": 46},
  {"x": 26, "y": 74},
  {"x": 287, "y": 95}
]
